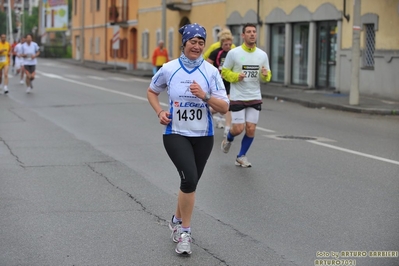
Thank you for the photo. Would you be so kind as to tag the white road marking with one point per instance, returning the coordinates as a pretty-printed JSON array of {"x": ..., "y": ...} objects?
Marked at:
[
  {"x": 354, "y": 152},
  {"x": 118, "y": 79},
  {"x": 98, "y": 87},
  {"x": 73, "y": 76},
  {"x": 140, "y": 79},
  {"x": 95, "y": 77},
  {"x": 54, "y": 65}
]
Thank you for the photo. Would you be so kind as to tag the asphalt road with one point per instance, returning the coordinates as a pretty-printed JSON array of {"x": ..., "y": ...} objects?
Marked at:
[{"x": 85, "y": 180}]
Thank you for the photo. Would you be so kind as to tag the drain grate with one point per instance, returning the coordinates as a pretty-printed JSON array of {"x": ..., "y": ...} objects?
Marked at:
[{"x": 296, "y": 137}]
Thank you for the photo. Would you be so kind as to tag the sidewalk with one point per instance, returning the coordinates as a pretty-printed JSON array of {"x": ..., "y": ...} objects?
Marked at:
[{"x": 305, "y": 97}]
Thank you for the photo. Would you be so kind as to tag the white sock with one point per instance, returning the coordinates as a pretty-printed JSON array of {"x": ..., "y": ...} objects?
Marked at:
[{"x": 176, "y": 220}]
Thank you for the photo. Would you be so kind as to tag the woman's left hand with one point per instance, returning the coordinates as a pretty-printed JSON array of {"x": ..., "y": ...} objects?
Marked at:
[{"x": 196, "y": 90}]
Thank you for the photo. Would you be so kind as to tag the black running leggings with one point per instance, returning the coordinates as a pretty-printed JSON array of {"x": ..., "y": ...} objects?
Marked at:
[{"x": 189, "y": 155}]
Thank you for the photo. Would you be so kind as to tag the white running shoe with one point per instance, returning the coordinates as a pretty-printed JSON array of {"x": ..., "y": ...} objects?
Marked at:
[
  {"x": 184, "y": 244},
  {"x": 225, "y": 145},
  {"x": 218, "y": 121},
  {"x": 28, "y": 90},
  {"x": 5, "y": 90},
  {"x": 21, "y": 82},
  {"x": 219, "y": 124},
  {"x": 176, "y": 231},
  {"x": 243, "y": 162}
]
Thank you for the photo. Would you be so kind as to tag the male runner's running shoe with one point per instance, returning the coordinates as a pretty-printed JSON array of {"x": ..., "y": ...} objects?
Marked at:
[
  {"x": 225, "y": 145},
  {"x": 218, "y": 121},
  {"x": 184, "y": 244},
  {"x": 243, "y": 162},
  {"x": 176, "y": 231}
]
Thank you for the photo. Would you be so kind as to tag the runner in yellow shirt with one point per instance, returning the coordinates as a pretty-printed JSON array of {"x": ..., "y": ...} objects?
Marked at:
[
  {"x": 5, "y": 50},
  {"x": 223, "y": 33}
]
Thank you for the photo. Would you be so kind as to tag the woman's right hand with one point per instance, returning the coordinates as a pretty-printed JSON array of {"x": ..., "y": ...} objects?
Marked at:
[{"x": 164, "y": 118}]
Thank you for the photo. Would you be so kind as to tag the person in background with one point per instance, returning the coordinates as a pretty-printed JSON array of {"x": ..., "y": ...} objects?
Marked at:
[
  {"x": 216, "y": 45},
  {"x": 13, "y": 55},
  {"x": 5, "y": 50},
  {"x": 160, "y": 56},
  {"x": 217, "y": 58},
  {"x": 30, "y": 50},
  {"x": 245, "y": 67},
  {"x": 19, "y": 61},
  {"x": 193, "y": 86}
]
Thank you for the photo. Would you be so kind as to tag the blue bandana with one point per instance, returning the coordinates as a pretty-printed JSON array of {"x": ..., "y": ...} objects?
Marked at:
[{"x": 190, "y": 31}]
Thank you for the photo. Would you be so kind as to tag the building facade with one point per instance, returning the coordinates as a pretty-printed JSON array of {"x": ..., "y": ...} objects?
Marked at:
[
  {"x": 139, "y": 23},
  {"x": 210, "y": 14},
  {"x": 309, "y": 42},
  {"x": 93, "y": 26}
]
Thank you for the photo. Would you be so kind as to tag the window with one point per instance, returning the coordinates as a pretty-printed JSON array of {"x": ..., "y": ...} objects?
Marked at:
[
  {"x": 215, "y": 33},
  {"x": 91, "y": 45},
  {"x": 300, "y": 54},
  {"x": 97, "y": 45},
  {"x": 145, "y": 38},
  {"x": 368, "y": 55},
  {"x": 122, "y": 51},
  {"x": 236, "y": 32},
  {"x": 277, "y": 52},
  {"x": 98, "y": 5},
  {"x": 170, "y": 43}
]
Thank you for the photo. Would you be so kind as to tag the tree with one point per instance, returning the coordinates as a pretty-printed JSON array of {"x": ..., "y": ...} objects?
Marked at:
[
  {"x": 3, "y": 22},
  {"x": 31, "y": 21}
]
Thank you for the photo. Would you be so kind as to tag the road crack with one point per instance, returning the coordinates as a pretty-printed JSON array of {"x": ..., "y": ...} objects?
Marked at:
[
  {"x": 20, "y": 163},
  {"x": 143, "y": 208}
]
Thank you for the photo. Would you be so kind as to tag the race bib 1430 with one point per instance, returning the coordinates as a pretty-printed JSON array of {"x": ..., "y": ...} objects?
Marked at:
[{"x": 189, "y": 115}]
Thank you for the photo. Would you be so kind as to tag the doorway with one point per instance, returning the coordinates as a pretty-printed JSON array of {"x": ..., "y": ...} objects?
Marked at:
[
  {"x": 77, "y": 47},
  {"x": 326, "y": 54}
]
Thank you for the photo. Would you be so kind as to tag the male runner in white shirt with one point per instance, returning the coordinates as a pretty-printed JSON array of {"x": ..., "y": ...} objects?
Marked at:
[
  {"x": 30, "y": 50},
  {"x": 244, "y": 67}
]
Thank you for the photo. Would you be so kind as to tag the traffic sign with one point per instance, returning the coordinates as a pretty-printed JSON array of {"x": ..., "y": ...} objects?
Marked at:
[{"x": 115, "y": 38}]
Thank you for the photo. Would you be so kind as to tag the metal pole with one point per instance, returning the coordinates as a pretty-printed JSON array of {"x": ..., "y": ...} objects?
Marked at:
[
  {"x": 82, "y": 33},
  {"x": 23, "y": 19},
  {"x": 114, "y": 60},
  {"x": 10, "y": 22},
  {"x": 163, "y": 34},
  {"x": 354, "y": 91},
  {"x": 93, "y": 8}
]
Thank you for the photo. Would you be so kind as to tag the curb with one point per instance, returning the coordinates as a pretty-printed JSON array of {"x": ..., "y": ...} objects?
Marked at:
[{"x": 346, "y": 108}]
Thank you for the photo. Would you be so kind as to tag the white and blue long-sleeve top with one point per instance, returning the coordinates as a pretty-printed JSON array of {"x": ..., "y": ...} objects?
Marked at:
[{"x": 190, "y": 115}]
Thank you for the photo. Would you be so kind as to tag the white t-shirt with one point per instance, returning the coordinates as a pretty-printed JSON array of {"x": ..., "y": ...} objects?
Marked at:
[
  {"x": 190, "y": 115},
  {"x": 30, "y": 50},
  {"x": 18, "y": 51},
  {"x": 249, "y": 62}
]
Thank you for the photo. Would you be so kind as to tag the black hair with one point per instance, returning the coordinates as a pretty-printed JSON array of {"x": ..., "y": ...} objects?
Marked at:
[{"x": 248, "y": 25}]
